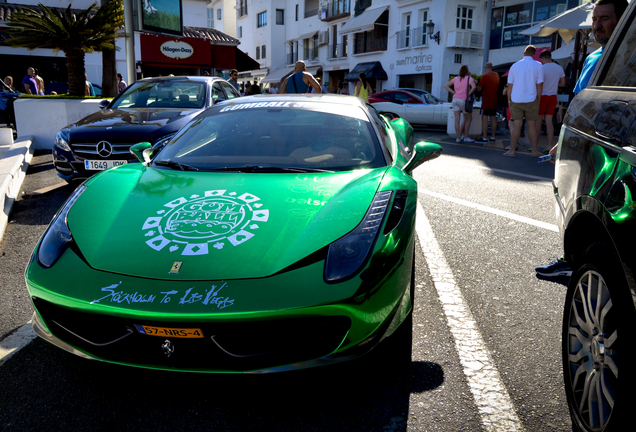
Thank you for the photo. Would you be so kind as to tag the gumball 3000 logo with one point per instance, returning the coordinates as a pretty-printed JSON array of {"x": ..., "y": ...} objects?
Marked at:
[{"x": 199, "y": 224}]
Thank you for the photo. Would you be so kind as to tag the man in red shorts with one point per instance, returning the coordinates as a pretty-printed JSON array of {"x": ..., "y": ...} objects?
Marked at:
[
  {"x": 488, "y": 86},
  {"x": 553, "y": 78}
]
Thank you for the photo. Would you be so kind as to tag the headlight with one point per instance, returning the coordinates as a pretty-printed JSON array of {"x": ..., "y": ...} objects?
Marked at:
[
  {"x": 62, "y": 139},
  {"x": 349, "y": 253},
  {"x": 162, "y": 141},
  {"x": 58, "y": 235}
]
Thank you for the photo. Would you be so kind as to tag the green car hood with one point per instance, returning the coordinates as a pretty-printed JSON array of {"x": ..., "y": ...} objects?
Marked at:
[{"x": 164, "y": 224}]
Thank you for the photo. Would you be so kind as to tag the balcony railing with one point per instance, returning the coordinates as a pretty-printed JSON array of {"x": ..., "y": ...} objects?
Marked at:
[
  {"x": 370, "y": 45},
  {"x": 335, "y": 9},
  {"x": 416, "y": 37},
  {"x": 337, "y": 51}
]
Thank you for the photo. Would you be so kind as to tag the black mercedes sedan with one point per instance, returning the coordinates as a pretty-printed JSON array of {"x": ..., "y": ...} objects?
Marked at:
[{"x": 150, "y": 110}]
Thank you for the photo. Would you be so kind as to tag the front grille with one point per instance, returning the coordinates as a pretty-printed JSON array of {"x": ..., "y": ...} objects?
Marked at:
[
  {"x": 234, "y": 346},
  {"x": 88, "y": 150}
]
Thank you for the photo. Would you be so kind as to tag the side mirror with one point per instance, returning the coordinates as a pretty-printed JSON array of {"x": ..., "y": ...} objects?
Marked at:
[
  {"x": 143, "y": 151},
  {"x": 423, "y": 151},
  {"x": 103, "y": 104}
]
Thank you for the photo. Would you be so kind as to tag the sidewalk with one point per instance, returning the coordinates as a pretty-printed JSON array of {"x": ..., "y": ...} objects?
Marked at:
[{"x": 14, "y": 162}]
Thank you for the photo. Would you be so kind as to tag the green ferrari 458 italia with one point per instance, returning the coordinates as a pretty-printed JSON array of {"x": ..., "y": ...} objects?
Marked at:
[{"x": 273, "y": 232}]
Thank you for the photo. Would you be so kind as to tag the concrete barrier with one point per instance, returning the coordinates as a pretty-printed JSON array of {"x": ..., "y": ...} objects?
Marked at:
[
  {"x": 13, "y": 167},
  {"x": 43, "y": 118}
]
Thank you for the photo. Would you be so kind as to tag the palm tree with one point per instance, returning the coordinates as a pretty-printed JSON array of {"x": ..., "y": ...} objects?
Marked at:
[{"x": 93, "y": 29}]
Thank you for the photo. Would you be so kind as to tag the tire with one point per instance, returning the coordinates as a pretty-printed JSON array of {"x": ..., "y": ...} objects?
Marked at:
[{"x": 597, "y": 343}]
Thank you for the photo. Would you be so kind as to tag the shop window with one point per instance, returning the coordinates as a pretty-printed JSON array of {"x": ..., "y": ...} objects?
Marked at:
[
  {"x": 261, "y": 19},
  {"x": 280, "y": 16}
]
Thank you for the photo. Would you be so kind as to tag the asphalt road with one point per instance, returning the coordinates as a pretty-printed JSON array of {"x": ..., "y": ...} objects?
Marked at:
[{"x": 491, "y": 220}]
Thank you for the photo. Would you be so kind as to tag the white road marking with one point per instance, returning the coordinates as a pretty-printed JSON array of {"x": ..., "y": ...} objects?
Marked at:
[
  {"x": 14, "y": 343},
  {"x": 544, "y": 225},
  {"x": 493, "y": 402}
]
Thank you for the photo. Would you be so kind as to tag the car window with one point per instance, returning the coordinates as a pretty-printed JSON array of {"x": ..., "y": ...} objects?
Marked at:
[
  {"x": 316, "y": 135},
  {"x": 430, "y": 99},
  {"x": 385, "y": 96},
  {"x": 383, "y": 128},
  {"x": 229, "y": 90},
  {"x": 407, "y": 98},
  {"x": 162, "y": 94},
  {"x": 622, "y": 69},
  {"x": 217, "y": 92}
]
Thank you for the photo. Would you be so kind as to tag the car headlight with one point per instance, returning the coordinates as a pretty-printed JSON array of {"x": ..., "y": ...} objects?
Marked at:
[
  {"x": 161, "y": 142},
  {"x": 62, "y": 139},
  {"x": 349, "y": 253},
  {"x": 58, "y": 235}
]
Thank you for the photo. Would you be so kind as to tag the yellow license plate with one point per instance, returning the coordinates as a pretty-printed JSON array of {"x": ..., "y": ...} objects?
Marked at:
[{"x": 169, "y": 332}]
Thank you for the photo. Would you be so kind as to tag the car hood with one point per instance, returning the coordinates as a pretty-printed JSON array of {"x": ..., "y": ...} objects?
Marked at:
[
  {"x": 139, "y": 122},
  {"x": 163, "y": 224}
]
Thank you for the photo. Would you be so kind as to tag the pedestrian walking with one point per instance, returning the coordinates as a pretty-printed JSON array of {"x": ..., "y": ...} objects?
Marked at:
[
  {"x": 525, "y": 85},
  {"x": 553, "y": 78},
  {"x": 300, "y": 81},
  {"x": 488, "y": 86},
  {"x": 463, "y": 86}
]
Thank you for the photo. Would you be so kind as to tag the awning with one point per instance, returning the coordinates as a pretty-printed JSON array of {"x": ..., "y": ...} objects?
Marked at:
[
  {"x": 245, "y": 62},
  {"x": 370, "y": 69},
  {"x": 313, "y": 69},
  {"x": 277, "y": 75},
  {"x": 363, "y": 22},
  {"x": 303, "y": 36}
]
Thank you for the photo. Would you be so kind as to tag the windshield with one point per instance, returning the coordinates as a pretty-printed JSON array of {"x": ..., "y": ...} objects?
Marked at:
[
  {"x": 327, "y": 138},
  {"x": 163, "y": 94}
]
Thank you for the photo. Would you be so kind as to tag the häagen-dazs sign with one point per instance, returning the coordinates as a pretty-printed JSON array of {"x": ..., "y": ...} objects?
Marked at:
[{"x": 176, "y": 49}]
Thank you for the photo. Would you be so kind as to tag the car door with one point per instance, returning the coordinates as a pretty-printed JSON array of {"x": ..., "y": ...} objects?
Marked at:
[
  {"x": 416, "y": 111},
  {"x": 596, "y": 163},
  {"x": 391, "y": 105}
]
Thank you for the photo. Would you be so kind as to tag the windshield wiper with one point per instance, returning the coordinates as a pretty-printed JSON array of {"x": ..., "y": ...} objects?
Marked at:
[
  {"x": 258, "y": 168},
  {"x": 175, "y": 165}
]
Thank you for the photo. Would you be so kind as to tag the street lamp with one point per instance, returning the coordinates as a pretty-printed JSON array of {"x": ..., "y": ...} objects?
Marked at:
[{"x": 431, "y": 29}]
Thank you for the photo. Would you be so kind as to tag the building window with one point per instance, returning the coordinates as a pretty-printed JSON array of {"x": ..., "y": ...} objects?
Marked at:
[
  {"x": 263, "y": 51},
  {"x": 458, "y": 59},
  {"x": 261, "y": 19},
  {"x": 280, "y": 16},
  {"x": 242, "y": 8},
  {"x": 258, "y": 53},
  {"x": 297, "y": 12},
  {"x": 210, "y": 18},
  {"x": 404, "y": 37},
  {"x": 464, "y": 18},
  {"x": 218, "y": 14},
  {"x": 240, "y": 31},
  {"x": 311, "y": 8},
  {"x": 422, "y": 30}
]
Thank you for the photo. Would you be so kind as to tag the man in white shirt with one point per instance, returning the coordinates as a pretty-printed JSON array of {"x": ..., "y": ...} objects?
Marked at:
[
  {"x": 553, "y": 78},
  {"x": 525, "y": 86}
]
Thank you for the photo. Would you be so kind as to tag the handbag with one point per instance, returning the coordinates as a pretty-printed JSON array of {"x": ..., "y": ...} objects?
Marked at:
[{"x": 468, "y": 104}]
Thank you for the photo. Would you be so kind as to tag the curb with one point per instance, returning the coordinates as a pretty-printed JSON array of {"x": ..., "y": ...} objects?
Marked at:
[{"x": 13, "y": 167}]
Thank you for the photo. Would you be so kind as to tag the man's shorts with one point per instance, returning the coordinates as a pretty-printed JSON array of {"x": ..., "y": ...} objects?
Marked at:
[
  {"x": 489, "y": 112},
  {"x": 548, "y": 104},
  {"x": 529, "y": 110},
  {"x": 459, "y": 105}
]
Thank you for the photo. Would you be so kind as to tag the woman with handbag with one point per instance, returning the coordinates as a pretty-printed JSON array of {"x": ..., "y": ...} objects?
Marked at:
[{"x": 463, "y": 97}]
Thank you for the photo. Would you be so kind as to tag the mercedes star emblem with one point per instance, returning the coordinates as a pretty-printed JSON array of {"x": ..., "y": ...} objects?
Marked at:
[{"x": 104, "y": 149}]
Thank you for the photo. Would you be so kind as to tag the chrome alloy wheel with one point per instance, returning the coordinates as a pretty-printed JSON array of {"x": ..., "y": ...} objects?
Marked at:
[{"x": 592, "y": 340}]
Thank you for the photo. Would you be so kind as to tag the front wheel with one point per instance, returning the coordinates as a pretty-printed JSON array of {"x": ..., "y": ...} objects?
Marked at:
[{"x": 598, "y": 344}]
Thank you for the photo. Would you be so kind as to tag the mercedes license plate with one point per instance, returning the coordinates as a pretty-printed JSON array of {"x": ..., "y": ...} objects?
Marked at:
[{"x": 96, "y": 165}]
